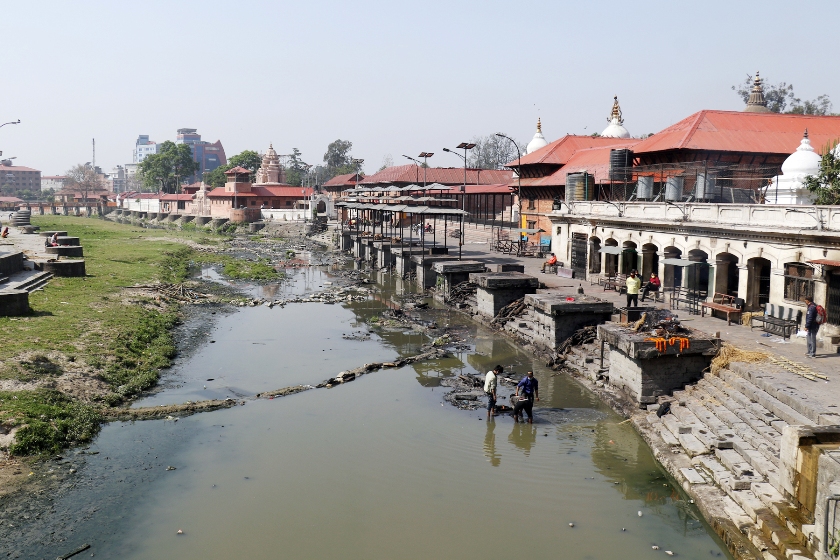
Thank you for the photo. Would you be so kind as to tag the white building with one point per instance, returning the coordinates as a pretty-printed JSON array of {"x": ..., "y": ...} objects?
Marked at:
[
  {"x": 54, "y": 182},
  {"x": 144, "y": 147}
]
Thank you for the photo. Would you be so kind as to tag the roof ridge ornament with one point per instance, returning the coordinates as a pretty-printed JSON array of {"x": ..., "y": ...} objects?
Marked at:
[
  {"x": 615, "y": 114},
  {"x": 539, "y": 125}
]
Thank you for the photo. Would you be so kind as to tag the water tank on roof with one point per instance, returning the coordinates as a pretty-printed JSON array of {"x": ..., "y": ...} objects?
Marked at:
[
  {"x": 579, "y": 186},
  {"x": 674, "y": 188},
  {"x": 705, "y": 186},
  {"x": 621, "y": 161},
  {"x": 644, "y": 188}
]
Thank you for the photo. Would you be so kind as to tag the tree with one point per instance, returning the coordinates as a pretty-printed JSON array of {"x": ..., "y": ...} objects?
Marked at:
[
  {"x": 165, "y": 169},
  {"x": 338, "y": 159},
  {"x": 492, "y": 152},
  {"x": 780, "y": 97},
  {"x": 296, "y": 171},
  {"x": 83, "y": 178},
  {"x": 826, "y": 184},
  {"x": 387, "y": 161},
  {"x": 249, "y": 159}
]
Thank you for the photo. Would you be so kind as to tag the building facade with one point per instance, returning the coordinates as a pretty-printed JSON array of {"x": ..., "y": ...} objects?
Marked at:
[
  {"x": 18, "y": 177},
  {"x": 144, "y": 147},
  {"x": 209, "y": 155},
  {"x": 52, "y": 182}
]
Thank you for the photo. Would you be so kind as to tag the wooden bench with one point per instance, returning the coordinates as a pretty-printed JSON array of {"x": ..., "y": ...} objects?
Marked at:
[
  {"x": 723, "y": 303},
  {"x": 778, "y": 319}
]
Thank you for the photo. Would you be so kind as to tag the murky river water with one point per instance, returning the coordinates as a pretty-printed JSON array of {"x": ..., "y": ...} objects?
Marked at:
[{"x": 378, "y": 468}]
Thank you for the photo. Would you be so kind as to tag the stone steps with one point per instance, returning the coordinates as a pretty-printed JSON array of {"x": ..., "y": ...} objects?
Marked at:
[
  {"x": 734, "y": 443},
  {"x": 32, "y": 283}
]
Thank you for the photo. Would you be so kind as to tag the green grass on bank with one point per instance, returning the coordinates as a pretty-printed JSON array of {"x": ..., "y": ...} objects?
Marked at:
[{"x": 96, "y": 326}]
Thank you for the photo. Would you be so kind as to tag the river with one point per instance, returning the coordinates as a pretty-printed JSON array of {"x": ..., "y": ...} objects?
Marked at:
[{"x": 380, "y": 468}]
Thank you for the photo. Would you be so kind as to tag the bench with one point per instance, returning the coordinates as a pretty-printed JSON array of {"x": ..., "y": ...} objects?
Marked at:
[
  {"x": 690, "y": 299},
  {"x": 778, "y": 319},
  {"x": 723, "y": 303},
  {"x": 617, "y": 283}
]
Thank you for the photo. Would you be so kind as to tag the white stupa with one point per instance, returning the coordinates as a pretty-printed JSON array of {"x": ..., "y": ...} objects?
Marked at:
[
  {"x": 538, "y": 141},
  {"x": 615, "y": 129},
  {"x": 789, "y": 187}
]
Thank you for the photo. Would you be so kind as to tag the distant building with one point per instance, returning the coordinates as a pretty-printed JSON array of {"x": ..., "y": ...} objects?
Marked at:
[
  {"x": 53, "y": 182},
  {"x": 116, "y": 179},
  {"x": 18, "y": 177},
  {"x": 209, "y": 155},
  {"x": 144, "y": 147}
]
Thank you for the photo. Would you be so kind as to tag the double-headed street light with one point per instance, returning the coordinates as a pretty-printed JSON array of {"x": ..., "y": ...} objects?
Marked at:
[
  {"x": 425, "y": 165},
  {"x": 10, "y": 122},
  {"x": 465, "y": 146}
]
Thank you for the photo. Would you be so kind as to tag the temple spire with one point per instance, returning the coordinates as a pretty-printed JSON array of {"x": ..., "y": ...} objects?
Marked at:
[
  {"x": 615, "y": 114},
  {"x": 756, "y": 102},
  {"x": 539, "y": 125}
]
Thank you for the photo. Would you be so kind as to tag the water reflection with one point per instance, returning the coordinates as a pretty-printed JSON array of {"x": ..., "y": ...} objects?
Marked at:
[
  {"x": 490, "y": 444},
  {"x": 523, "y": 437}
]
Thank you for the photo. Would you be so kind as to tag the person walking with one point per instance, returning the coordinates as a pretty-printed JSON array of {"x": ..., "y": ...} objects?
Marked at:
[
  {"x": 812, "y": 326},
  {"x": 653, "y": 285},
  {"x": 633, "y": 284},
  {"x": 530, "y": 392},
  {"x": 491, "y": 381}
]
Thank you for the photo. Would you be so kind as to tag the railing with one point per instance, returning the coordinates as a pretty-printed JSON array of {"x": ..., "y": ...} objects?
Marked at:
[{"x": 824, "y": 218}]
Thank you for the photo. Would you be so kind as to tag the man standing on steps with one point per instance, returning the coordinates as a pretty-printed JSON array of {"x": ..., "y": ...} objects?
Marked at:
[
  {"x": 530, "y": 392},
  {"x": 633, "y": 284},
  {"x": 491, "y": 381},
  {"x": 811, "y": 327}
]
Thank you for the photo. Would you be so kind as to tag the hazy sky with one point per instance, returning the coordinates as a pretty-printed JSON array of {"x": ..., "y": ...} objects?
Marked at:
[{"x": 392, "y": 77}]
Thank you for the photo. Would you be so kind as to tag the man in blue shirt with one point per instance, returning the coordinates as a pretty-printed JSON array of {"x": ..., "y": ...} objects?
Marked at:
[{"x": 530, "y": 388}]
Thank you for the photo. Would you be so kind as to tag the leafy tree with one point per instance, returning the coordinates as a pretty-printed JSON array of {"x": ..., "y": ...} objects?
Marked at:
[
  {"x": 826, "y": 184},
  {"x": 338, "y": 159},
  {"x": 249, "y": 159},
  {"x": 85, "y": 179},
  {"x": 296, "y": 170},
  {"x": 780, "y": 97},
  {"x": 387, "y": 161},
  {"x": 492, "y": 152},
  {"x": 165, "y": 169}
]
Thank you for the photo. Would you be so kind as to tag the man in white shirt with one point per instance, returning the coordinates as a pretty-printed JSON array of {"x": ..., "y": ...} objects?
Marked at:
[{"x": 490, "y": 383}]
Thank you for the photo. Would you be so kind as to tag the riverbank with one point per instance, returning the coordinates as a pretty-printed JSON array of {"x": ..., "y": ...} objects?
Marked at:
[{"x": 95, "y": 343}]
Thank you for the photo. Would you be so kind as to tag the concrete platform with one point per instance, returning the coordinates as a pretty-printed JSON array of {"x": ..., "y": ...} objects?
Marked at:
[
  {"x": 556, "y": 317},
  {"x": 498, "y": 289},
  {"x": 453, "y": 273}
]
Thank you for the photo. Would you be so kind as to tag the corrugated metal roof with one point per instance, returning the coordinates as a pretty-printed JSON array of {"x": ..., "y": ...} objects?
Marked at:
[
  {"x": 560, "y": 151},
  {"x": 442, "y": 175},
  {"x": 733, "y": 131},
  {"x": 286, "y": 191},
  {"x": 595, "y": 161}
]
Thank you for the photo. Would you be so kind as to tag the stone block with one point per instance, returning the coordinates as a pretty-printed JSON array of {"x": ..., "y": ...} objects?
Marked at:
[
  {"x": 692, "y": 445},
  {"x": 692, "y": 476},
  {"x": 14, "y": 303},
  {"x": 509, "y": 268}
]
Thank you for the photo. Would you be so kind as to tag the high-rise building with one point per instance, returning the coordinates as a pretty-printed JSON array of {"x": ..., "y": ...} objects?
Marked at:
[
  {"x": 209, "y": 155},
  {"x": 144, "y": 147}
]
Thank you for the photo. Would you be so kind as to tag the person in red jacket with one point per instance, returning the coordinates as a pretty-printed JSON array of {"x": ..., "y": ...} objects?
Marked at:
[
  {"x": 552, "y": 261},
  {"x": 653, "y": 285}
]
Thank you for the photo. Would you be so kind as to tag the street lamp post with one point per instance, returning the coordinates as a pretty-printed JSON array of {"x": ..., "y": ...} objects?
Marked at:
[
  {"x": 518, "y": 176},
  {"x": 465, "y": 146},
  {"x": 425, "y": 156}
]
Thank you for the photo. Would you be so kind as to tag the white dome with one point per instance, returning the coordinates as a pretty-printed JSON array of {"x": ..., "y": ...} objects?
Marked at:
[
  {"x": 804, "y": 161},
  {"x": 615, "y": 130},
  {"x": 538, "y": 141}
]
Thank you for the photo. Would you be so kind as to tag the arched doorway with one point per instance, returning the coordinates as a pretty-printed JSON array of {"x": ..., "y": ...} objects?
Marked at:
[
  {"x": 321, "y": 207},
  {"x": 629, "y": 257},
  {"x": 594, "y": 255},
  {"x": 672, "y": 275},
  {"x": 650, "y": 261},
  {"x": 698, "y": 274},
  {"x": 758, "y": 283},
  {"x": 610, "y": 260},
  {"x": 726, "y": 274}
]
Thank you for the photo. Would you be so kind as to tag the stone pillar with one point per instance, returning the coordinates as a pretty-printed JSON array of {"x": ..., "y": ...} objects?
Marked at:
[{"x": 721, "y": 277}]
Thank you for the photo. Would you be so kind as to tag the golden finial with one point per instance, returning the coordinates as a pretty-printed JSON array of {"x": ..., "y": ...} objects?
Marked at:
[
  {"x": 539, "y": 125},
  {"x": 806, "y": 133},
  {"x": 616, "y": 112}
]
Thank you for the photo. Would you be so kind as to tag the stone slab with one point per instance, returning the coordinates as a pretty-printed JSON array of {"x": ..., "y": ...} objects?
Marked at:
[
  {"x": 449, "y": 267},
  {"x": 692, "y": 476},
  {"x": 504, "y": 280},
  {"x": 692, "y": 445},
  {"x": 553, "y": 304},
  {"x": 636, "y": 346}
]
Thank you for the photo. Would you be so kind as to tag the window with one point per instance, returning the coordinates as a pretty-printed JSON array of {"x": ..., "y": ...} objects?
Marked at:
[
  {"x": 532, "y": 204},
  {"x": 253, "y": 203},
  {"x": 799, "y": 281},
  {"x": 532, "y": 225},
  {"x": 288, "y": 203}
]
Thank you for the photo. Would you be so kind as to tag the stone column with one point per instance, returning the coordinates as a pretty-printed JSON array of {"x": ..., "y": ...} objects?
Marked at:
[{"x": 744, "y": 281}]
